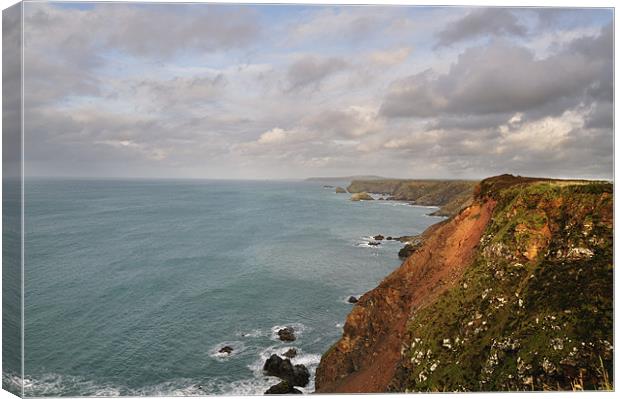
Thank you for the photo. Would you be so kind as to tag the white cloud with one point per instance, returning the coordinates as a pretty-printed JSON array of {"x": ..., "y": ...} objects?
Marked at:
[
  {"x": 546, "y": 134},
  {"x": 275, "y": 135},
  {"x": 146, "y": 150}
]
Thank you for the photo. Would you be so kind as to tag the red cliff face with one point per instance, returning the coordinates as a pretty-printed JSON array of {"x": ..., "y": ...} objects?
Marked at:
[{"x": 365, "y": 359}]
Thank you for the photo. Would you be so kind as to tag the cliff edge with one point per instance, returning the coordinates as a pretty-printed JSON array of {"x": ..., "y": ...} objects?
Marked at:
[
  {"x": 450, "y": 195},
  {"x": 515, "y": 292}
]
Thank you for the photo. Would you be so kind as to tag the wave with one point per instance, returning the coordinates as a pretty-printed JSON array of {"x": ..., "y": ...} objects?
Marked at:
[
  {"x": 12, "y": 382},
  {"x": 51, "y": 384},
  {"x": 63, "y": 385}
]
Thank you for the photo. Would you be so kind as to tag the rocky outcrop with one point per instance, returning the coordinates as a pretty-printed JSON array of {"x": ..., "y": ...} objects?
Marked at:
[
  {"x": 296, "y": 375},
  {"x": 286, "y": 334},
  {"x": 407, "y": 251},
  {"x": 515, "y": 292},
  {"x": 450, "y": 195},
  {"x": 340, "y": 190},
  {"x": 363, "y": 196},
  {"x": 282, "y": 388},
  {"x": 352, "y": 299},
  {"x": 412, "y": 244},
  {"x": 226, "y": 350},
  {"x": 291, "y": 353}
]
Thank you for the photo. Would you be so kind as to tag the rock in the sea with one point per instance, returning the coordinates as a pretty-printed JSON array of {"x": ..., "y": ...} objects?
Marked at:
[
  {"x": 282, "y": 388},
  {"x": 340, "y": 190},
  {"x": 361, "y": 197},
  {"x": 389, "y": 238},
  {"x": 297, "y": 375},
  {"x": 291, "y": 353},
  {"x": 226, "y": 349},
  {"x": 352, "y": 299},
  {"x": 286, "y": 334},
  {"x": 378, "y": 237},
  {"x": 374, "y": 243}
]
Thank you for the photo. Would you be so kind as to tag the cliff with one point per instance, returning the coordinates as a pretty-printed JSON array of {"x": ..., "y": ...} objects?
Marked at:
[
  {"x": 338, "y": 179},
  {"x": 515, "y": 292},
  {"x": 450, "y": 195}
]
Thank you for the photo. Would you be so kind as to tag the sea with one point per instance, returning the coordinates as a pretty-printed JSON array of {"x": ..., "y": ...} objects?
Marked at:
[{"x": 133, "y": 286}]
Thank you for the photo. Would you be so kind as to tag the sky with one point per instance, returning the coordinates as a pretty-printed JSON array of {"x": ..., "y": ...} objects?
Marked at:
[{"x": 279, "y": 92}]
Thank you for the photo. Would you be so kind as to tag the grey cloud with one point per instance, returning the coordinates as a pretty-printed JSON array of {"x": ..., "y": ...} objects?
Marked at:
[
  {"x": 354, "y": 25},
  {"x": 347, "y": 123},
  {"x": 584, "y": 153},
  {"x": 99, "y": 142},
  {"x": 481, "y": 22},
  {"x": 68, "y": 80},
  {"x": 56, "y": 43},
  {"x": 163, "y": 31},
  {"x": 157, "y": 31},
  {"x": 503, "y": 78},
  {"x": 310, "y": 71},
  {"x": 551, "y": 17},
  {"x": 601, "y": 116},
  {"x": 469, "y": 122},
  {"x": 180, "y": 91}
]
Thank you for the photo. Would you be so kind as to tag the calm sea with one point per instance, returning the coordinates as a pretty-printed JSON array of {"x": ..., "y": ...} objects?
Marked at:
[{"x": 132, "y": 287}]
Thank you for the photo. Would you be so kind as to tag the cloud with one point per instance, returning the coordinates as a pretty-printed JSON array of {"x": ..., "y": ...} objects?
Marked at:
[
  {"x": 156, "y": 30},
  {"x": 275, "y": 135},
  {"x": 351, "y": 122},
  {"x": 199, "y": 90},
  {"x": 179, "y": 91},
  {"x": 542, "y": 135},
  {"x": 390, "y": 57},
  {"x": 503, "y": 77},
  {"x": 309, "y": 71},
  {"x": 481, "y": 22},
  {"x": 349, "y": 23},
  {"x": 156, "y": 154}
]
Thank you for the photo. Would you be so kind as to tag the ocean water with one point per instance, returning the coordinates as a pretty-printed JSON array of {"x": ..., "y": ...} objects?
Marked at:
[{"x": 133, "y": 286}]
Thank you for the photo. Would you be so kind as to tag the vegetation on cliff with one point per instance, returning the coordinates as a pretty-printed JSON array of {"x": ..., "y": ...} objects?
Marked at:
[
  {"x": 528, "y": 307},
  {"x": 450, "y": 195}
]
